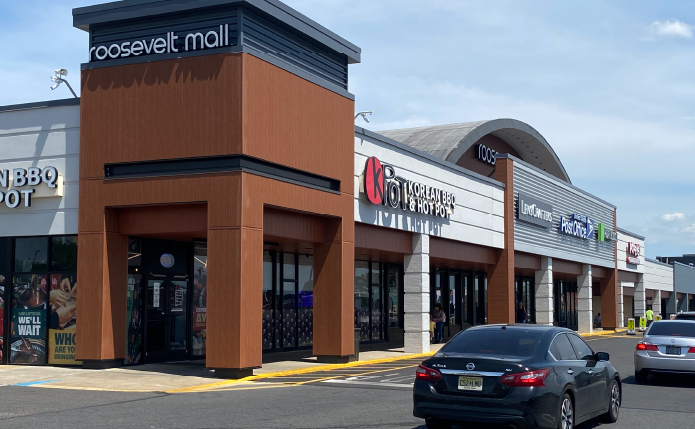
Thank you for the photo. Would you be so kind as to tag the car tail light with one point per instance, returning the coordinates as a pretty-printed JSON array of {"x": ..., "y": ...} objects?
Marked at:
[
  {"x": 647, "y": 347},
  {"x": 528, "y": 378},
  {"x": 692, "y": 350},
  {"x": 427, "y": 374}
]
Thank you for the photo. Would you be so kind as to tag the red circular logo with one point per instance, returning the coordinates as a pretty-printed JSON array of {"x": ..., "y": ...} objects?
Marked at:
[{"x": 374, "y": 181}]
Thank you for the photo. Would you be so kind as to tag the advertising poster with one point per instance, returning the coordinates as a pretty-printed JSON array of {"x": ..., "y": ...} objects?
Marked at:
[
  {"x": 27, "y": 339},
  {"x": 62, "y": 324},
  {"x": 134, "y": 320},
  {"x": 199, "y": 316}
]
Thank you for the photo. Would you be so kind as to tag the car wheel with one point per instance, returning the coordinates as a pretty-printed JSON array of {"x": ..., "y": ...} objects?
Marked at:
[
  {"x": 566, "y": 420},
  {"x": 641, "y": 376},
  {"x": 613, "y": 404},
  {"x": 433, "y": 423}
]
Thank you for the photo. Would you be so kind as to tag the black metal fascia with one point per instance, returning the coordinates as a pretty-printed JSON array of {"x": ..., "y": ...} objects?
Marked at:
[{"x": 220, "y": 164}]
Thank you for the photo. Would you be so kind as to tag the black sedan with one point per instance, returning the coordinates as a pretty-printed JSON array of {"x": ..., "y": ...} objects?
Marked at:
[{"x": 516, "y": 376}]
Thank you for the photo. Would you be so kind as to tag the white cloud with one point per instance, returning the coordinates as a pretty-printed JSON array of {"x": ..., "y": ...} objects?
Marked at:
[
  {"x": 673, "y": 216},
  {"x": 674, "y": 28}
]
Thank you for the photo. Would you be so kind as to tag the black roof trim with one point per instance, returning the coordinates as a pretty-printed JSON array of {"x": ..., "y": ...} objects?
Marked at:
[
  {"x": 41, "y": 104},
  {"x": 365, "y": 132},
  {"x": 84, "y": 17}
]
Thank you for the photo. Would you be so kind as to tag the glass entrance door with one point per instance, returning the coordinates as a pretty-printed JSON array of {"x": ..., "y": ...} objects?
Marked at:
[
  {"x": 566, "y": 304},
  {"x": 167, "y": 317}
]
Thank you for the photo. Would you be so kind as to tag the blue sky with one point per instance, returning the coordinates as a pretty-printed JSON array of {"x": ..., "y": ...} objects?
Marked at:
[{"x": 609, "y": 84}]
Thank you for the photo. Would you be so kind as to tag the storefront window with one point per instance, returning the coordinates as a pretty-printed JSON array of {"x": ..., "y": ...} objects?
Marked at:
[
  {"x": 268, "y": 310},
  {"x": 288, "y": 300},
  {"x": 134, "y": 320},
  {"x": 134, "y": 252},
  {"x": 305, "y": 301},
  {"x": 31, "y": 255},
  {"x": 362, "y": 299},
  {"x": 64, "y": 253},
  {"x": 394, "y": 301},
  {"x": 199, "y": 305},
  {"x": 525, "y": 300}
]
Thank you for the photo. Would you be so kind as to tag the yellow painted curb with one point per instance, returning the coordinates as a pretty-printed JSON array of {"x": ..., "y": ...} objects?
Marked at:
[
  {"x": 603, "y": 333},
  {"x": 299, "y": 371}
]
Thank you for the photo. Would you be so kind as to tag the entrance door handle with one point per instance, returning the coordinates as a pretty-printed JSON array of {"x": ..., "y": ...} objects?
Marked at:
[{"x": 570, "y": 372}]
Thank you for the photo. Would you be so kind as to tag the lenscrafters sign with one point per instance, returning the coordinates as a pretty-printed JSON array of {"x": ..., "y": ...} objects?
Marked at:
[
  {"x": 534, "y": 211},
  {"x": 382, "y": 186}
]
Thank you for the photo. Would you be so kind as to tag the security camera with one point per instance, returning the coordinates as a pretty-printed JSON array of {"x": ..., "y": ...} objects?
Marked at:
[
  {"x": 62, "y": 72},
  {"x": 366, "y": 119}
]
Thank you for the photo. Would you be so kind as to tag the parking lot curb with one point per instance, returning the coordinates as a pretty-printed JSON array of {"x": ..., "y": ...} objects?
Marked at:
[
  {"x": 603, "y": 333},
  {"x": 299, "y": 371}
]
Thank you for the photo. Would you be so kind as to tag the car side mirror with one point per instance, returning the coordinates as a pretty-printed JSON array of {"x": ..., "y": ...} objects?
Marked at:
[{"x": 603, "y": 357}]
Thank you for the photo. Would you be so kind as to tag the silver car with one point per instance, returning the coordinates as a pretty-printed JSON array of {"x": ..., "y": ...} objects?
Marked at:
[{"x": 668, "y": 347}]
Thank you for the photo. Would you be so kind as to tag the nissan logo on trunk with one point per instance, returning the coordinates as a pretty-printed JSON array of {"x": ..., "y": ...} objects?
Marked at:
[{"x": 470, "y": 366}]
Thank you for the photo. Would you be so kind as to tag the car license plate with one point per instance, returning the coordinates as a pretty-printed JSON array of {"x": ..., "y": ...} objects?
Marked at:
[
  {"x": 673, "y": 350},
  {"x": 471, "y": 383}
]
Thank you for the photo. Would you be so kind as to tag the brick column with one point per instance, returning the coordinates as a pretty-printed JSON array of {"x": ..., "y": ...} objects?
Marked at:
[
  {"x": 584, "y": 300},
  {"x": 544, "y": 293},
  {"x": 416, "y": 301},
  {"x": 334, "y": 286},
  {"x": 500, "y": 285},
  {"x": 102, "y": 270}
]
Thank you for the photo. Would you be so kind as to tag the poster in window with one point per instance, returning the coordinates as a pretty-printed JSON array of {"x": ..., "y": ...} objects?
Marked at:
[
  {"x": 134, "y": 320},
  {"x": 28, "y": 333},
  {"x": 62, "y": 322},
  {"x": 199, "y": 316}
]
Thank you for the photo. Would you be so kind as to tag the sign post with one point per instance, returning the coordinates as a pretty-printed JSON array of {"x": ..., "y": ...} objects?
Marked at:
[
  {"x": 642, "y": 323},
  {"x": 631, "y": 326}
]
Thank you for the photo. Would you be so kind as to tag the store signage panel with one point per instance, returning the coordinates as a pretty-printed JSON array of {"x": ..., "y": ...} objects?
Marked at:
[
  {"x": 20, "y": 185},
  {"x": 485, "y": 154},
  {"x": 579, "y": 226},
  {"x": 534, "y": 211},
  {"x": 170, "y": 42},
  {"x": 383, "y": 186},
  {"x": 633, "y": 251}
]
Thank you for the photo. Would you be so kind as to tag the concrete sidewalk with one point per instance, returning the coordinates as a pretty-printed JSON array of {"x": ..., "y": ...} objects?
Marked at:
[{"x": 188, "y": 376}]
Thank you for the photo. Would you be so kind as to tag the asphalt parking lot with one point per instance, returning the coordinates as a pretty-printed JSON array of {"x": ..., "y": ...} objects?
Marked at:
[{"x": 368, "y": 396}]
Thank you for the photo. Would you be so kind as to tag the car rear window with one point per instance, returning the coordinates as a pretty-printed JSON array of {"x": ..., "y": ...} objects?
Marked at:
[
  {"x": 672, "y": 329},
  {"x": 502, "y": 342},
  {"x": 685, "y": 316}
]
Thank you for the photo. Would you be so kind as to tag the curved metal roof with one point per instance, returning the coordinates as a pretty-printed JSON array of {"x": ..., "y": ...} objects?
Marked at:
[{"x": 451, "y": 141}]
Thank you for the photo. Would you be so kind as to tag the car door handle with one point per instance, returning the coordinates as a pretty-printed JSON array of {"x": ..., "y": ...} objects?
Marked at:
[
  {"x": 591, "y": 371},
  {"x": 570, "y": 372}
]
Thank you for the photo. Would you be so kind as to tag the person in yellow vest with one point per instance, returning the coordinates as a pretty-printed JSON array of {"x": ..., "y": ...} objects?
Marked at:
[{"x": 650, "y": 316}]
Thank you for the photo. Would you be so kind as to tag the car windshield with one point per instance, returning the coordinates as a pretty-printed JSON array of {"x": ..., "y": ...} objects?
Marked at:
[
  {"x": 673, "y": 329},
  {"x": 504, "y": 342}
]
